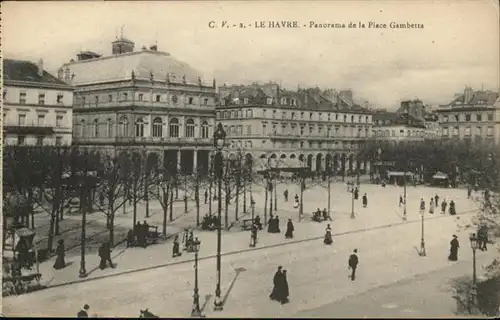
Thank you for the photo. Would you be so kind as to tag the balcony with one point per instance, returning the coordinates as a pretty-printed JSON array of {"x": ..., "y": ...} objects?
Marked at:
[
  {"x": 35, "y": 129},
  {"x": 143, "y": 140}
]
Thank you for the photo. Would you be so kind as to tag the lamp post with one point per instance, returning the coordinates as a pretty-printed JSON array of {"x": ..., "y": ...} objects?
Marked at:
[
  {"x": 185, "y": 193},
  {"x": 196, "y": 312},
  {"x": 302, "y": 184},
  {"x": 352, "y": 204},
  {"x": 84, "y": 199},
  {"x": 404, "y": 197},
  {"x": 219, "y": 141},
  {"x": 422, "y": 241},
  {"x": 474, "y": 246},
  {"x": 329, "y": 172}
]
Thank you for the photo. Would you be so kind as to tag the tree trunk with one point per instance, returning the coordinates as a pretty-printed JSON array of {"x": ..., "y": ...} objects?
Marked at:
[
  {"x": 171, "y": 217},
  {"x": 238, "y": 181},
  {"x": 197, "y": 199},
  {"x": 134, "y": 203},
  {"x": 111, "y": 224},
  {"x": 56, "y": 216},
  {"x": 166, "y": 193},
  {"x": 226, "y": 209},
  {"x": 55, "y": 206},
  {"x": 265, "y": 204}
]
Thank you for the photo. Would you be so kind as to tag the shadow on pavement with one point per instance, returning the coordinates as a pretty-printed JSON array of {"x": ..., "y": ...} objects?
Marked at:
[{"x": 238, "y": 271}]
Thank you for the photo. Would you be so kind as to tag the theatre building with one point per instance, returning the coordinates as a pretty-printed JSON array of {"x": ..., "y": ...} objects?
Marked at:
[{"x": 144, "y": 101}]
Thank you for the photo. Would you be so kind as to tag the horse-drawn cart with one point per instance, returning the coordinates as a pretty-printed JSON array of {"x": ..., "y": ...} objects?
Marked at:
[{"x": 18, "y": 273}]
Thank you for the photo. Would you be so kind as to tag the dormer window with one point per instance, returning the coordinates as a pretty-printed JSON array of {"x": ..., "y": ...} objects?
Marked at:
[
  {"x": 294, "y": 102},
  {"x": 283, "y": 100},
  {"x": 190, "y": 100},
  {"x": 269, "y": 100},
  {"x": 310, "y": 115},
  {"x": 245, "y": 101},
  {"x": 141, "y": 96},
  {"x": 237, "y": 101}
]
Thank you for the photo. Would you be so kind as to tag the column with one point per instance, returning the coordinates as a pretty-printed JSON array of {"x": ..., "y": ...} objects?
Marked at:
[
  {"x": 195, "y": 161},
  {"x": 367, "y": 167},
  {"x": 179, "y": 160}
]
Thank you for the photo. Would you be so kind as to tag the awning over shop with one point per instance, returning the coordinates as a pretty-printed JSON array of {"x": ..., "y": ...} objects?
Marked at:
[
  {"x": 440, "y": 176},
  {"x": 399, "y": 174}
]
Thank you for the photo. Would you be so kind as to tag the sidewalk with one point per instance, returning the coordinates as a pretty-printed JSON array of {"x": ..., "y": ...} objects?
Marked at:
[{"x": 232, "y": 241}]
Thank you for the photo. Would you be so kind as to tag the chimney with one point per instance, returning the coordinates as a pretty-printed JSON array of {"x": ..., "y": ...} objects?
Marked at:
[
  {"x": 40, "y": 68},
  {"x": 153, "y": 47},
  {"x": 467, "y": 94},
  {"x": 60, "y": 73}
]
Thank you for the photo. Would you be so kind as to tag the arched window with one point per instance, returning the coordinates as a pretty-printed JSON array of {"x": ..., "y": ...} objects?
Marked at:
[
  {"x": 174, "y": 128},
  {"x": 82, "y": 128},
  {"x": 204, "y": 129},
  {"x": 124, "y": 127},
  {"x": 157, "y": 127},
  {"x": 190, "y": 128},
  {"x": 109, "y": 128},
  {"x": 96, "y": 128},
  {"x": 139, "y": 127}
]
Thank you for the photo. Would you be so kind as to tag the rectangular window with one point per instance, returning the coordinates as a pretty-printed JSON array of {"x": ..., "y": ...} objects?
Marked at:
[
  {"x": 41, "y": 120},
  {"x": 467, "y": 131},
  {"x": 141, "y": 96},
  {"x": 41, "y": 99},
  {"x": 59, "y": 120},
  {"x": 58, "y": 141},
  {"x": 445, "y": 131},
  {"x": 455, "y": 131},
  {"x": 190, "y": 100},
  {"x": 21, "y": 140},
  {"x": 110, "y": 98},
  {"x": 269, "y": 100},
  {"x": 264, "y": 129},
  {"x": 158, "y": 98},
  {"x": 22, "y": 98},
  {"x": 302, "y": 115},
  {"x": 310, "y": 115},
  {"x": 21, "y": 119},
  {"x": 479, "y": 117},
  {"x": 60, "y": 98},
  {"x": 205, "y": 101},
  {"x": 125, "y": 96},
  {"x": 490, "y": 131},
  {"x": 245, "y": 101},
  {"x": 249, "y": 129},
  {"x": 478, "y": 131},
  {"x": 96, "y": 100},
  {"x": 490, "y": 116}
]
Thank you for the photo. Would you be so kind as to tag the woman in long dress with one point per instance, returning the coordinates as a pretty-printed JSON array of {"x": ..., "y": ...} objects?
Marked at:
[
  {"x": 328, "y": 236},
  {"x": 289, "y": 229},
  {"x": 454, "y": 245},
  {"x": 60, "y": 251},
  {"x": 431, "y": 206},
  {"x": 284, "y": 291}
]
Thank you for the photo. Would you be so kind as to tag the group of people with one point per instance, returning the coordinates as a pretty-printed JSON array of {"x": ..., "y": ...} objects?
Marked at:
[
  {"x": 273, "y": 225},
  {"x": 280, "y": 291},
  {"x": 319, "y": 215},
  {"x": 434, "y": 203},
  {"x": 138, "y": 236}
]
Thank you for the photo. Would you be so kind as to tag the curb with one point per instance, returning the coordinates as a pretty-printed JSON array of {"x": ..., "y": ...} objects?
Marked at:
[{"x": 242, "y": 251}]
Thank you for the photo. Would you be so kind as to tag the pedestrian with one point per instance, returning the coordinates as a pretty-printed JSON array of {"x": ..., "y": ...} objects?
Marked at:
[
  {"x": 297, "y": 203},
  {"x": 454, "y": 245},
  {"x": 276, "y": 224},
  {"x": 356, "y": 193},
  {"x": 176, "y": 250},
  {"x": 289, "y": 229},
  {"x": 137, "y": 233},
  {"x": 105, "y": 255},
  {"x": 270, "y": 225},
  {"x": 258, "y": 223},
  {"x": 452, "y": 208},
  {"x": 328, "y": 235},
  {"x": 60, "y": 251},
  {"x": 443, "y": 206},
  {"x": 276, "y": 283},
  {"x": 130, "y": 238},
  {"x": 144, "y": 234},
  {"x": 253, "y": 237},
  {"x": 422, "y": 205},
  {"x": 283, "y": 291},
  {"x": 353, "y": 264},
  {"x": 285, "y": 195},
  {"x": 436, "y": 200},
  {"x": 326, "y": 216},
  {"x": 83, "y": 313},
  {"x": 206, "y": 196},
  {"x": 400, "y": 200},
  {"x": 431, "y": 206},
  {"x": 365, "y": 201},
  {"x": 482, "y": 236}
]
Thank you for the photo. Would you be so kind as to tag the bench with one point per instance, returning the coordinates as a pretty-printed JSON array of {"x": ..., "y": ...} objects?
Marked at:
[{"x": 247, "y": 224}]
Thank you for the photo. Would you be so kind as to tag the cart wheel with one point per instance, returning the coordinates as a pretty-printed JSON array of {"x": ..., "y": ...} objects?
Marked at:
[{"x": 21, "y": 287}]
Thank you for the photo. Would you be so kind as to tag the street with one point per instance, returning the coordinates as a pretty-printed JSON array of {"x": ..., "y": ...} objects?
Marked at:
[{"x": 387, "y": 255}]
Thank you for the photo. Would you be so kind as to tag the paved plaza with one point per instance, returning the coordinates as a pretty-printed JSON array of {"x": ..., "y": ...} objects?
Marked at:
[{"x": 387, "y": 249}]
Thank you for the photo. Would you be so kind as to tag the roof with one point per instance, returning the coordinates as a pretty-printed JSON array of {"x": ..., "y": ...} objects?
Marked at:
[
  {"x": 489, "y": 98},
  {"x": 26, "y": 71},
  {"x": 120, "y": 67},
  {"x": 396, "y": 118}
]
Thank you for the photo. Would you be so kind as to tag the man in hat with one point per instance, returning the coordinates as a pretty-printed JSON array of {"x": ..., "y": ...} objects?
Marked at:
[
  {"x": 84, "y": 312},
  {"x": 353, "y": 264}
]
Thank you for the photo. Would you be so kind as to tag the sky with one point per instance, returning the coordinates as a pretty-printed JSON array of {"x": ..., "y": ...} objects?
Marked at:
[{"x": 458, "y": 46}]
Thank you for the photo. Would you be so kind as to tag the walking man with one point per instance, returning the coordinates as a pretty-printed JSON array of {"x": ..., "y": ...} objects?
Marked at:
[
  {"x": 422, "y": 205},
  {"x": 206, "y": 196},
  {"x": 353, "y": 264},
  {"x": 285, "y": 195}
]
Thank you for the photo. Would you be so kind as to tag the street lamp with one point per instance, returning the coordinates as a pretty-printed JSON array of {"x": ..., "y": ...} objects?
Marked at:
[
  {"x": 422, "y": 242},
  {"x": 474, "y": 245},
  {"x": 404, "y": 197},
  {"x": 352, "y": 204},
  {"x": 196, "y": 312},
  {"x": 219, "y": 141}
]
